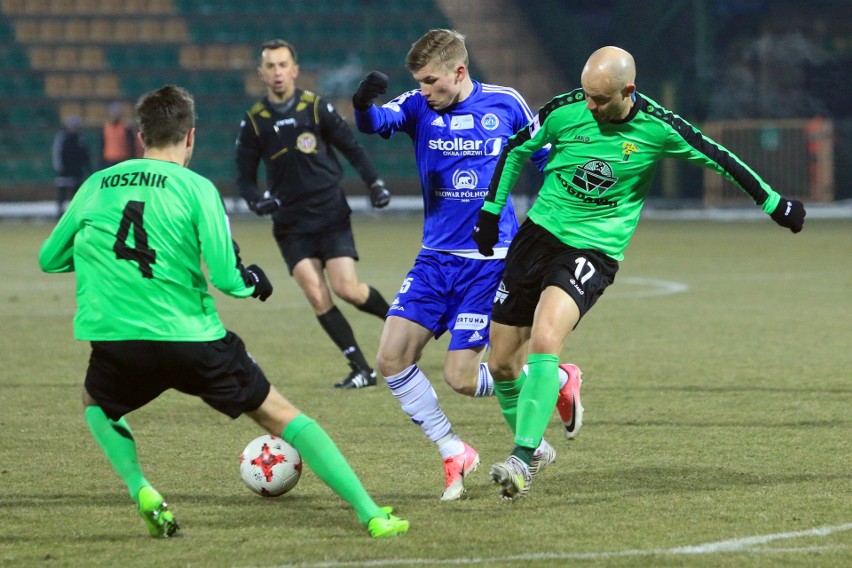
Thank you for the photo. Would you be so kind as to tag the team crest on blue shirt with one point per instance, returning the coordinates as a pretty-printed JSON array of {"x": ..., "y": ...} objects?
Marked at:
[
  {"x": 465, "y": 179},
  {"x": 489, "y": 121},
  {"x": 307, "y": 142}
]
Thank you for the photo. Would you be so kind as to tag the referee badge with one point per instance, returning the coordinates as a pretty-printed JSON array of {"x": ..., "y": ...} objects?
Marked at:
[{"x": 307, "y": 143}]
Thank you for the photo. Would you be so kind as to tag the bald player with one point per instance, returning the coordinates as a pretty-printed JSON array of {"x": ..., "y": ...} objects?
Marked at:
[{"x": 606, "y": 139}]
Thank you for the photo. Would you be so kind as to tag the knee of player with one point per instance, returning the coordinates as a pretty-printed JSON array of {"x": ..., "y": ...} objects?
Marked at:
[
  {"x": 504, "y": 369},
  {"x": 349, "y": 292},
  {"x": 461, "y": 382},
  {"x": 390, "y": 364}
]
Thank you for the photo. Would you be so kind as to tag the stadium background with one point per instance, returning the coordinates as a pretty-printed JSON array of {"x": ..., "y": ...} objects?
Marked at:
[{"x": 767, "y": 78}]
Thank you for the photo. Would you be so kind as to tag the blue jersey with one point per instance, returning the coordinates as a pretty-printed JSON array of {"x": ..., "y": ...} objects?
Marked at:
[{"x": 457, "y": 150}]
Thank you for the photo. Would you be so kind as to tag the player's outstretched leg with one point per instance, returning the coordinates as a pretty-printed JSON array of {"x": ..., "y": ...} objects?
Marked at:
[
  {"x": 568, "y": 402},
  {"x": 321, "y": 454}
]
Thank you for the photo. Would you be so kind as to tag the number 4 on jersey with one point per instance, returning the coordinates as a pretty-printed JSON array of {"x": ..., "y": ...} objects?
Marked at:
[{"x": 132, "y": 216}]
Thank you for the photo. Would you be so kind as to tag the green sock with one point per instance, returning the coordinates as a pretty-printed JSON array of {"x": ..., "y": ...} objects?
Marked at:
[
  {"x": 321, "y": 454},
  {"x": 537, "y": 399},
  {"x": 116, "y": 441},
  {"x": 507, "y": 395}
]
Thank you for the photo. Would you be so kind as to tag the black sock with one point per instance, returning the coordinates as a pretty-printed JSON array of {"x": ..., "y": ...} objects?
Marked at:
[
  {"x": 375, "y": 304},
  {"x": 339, "y": 330}
]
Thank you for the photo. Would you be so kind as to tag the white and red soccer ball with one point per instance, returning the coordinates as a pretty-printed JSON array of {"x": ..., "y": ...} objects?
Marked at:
[{"x": 270, "y": 466}]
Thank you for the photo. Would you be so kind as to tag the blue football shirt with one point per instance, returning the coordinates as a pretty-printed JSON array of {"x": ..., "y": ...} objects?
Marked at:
[{"x": 456, "y": 150}]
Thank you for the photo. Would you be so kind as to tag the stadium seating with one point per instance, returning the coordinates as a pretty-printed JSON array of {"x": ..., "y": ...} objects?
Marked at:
[{"x": 73, "y": 57}]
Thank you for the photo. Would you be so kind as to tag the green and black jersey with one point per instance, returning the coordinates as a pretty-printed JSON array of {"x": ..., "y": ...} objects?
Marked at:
[
  {"x": 598, "y": 174},
  {"x": 135, "y": 235}
]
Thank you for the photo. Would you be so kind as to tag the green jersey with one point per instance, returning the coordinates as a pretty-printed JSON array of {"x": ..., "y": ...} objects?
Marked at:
[
  {"x": 135, "y": 234},
  {"x": 598, "y": 174}
]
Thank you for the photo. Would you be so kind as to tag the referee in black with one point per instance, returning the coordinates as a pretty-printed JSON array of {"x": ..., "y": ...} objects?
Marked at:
[{"x": 293, "y": 131}]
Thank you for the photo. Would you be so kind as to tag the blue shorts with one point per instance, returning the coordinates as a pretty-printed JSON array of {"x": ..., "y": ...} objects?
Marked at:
[{"x": 446, "y": 292}]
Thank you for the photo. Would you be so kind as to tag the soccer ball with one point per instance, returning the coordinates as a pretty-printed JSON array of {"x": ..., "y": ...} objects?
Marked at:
[{"x": 270, "y": 466}]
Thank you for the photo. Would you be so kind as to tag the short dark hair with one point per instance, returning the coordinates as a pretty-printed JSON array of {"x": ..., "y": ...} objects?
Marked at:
[
  {"x": 165, "y": 116},
  {"x": 278, "y": 44},
  {"x": 443, "y": 47}
]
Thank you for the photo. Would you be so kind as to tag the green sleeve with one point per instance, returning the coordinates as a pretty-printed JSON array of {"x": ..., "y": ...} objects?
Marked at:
[
  {"x": 518, "y": 150},
  {"x": 57, "y": 252},
  {"x": 689, "y": 144},
  {"x": 217, "y": 247}
]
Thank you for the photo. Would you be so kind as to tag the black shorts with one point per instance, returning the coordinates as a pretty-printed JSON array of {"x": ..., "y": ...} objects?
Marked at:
[
  {"x": 332, "y": 243},
  {"x": 536, "y": 260},
  {"x": 126, "y": 375}
]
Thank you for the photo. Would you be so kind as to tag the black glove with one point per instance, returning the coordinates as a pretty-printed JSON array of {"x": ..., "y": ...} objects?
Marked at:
[
  {"x": 379, "y": 194},
  {"x": 370, "y": 87},
  {"x": 486, "y": 233},
  {"x": 789, "y": 213},
  {"x": 254, "y": 276},
  {"x": 265, "y": 206}
]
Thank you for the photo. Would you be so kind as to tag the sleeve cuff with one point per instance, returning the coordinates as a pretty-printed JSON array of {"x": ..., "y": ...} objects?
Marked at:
[{"x": 491, "y": 207}]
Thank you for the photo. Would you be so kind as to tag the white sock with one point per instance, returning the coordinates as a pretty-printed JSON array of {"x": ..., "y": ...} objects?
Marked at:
[
  {"x": 450, "y": 445},
  {"x": 420, "y": 401},
  {"x": 485, "y": 382},
  {"x": 563, "y": 376}
]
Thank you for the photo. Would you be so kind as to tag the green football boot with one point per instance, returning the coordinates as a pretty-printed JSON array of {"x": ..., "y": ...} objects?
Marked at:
[
  {"x": 155, "y": 512},
  {"x": 381, "y": 527}
]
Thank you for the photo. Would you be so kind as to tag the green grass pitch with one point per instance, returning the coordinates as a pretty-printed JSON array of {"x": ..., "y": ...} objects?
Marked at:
[{"x": 717, "y": 429}]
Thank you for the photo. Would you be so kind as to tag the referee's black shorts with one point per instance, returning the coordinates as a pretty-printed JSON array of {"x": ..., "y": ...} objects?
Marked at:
[
  {"x": 536, "y": 260},
  {"x": 337, "y": 241},
  {"x": 126, "y": 375}
]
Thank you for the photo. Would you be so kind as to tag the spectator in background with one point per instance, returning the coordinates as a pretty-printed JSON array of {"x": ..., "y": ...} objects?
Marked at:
[
  {"x": 71, "y": 161},
  {"x": 118, "y": 138}
]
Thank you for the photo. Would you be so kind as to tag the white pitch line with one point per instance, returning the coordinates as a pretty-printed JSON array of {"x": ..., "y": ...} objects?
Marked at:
[{"x": 746, "y": 544}]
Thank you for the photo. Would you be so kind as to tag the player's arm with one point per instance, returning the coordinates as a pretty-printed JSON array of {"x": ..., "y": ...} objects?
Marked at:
[
  {"x": 220, "y": 252},
  {"x": 384, "y": 120},
  {"x": 688, "y": 143},
  {"x": 248, "y": 154},
  {"x": 57, "y": 252},
  {"x": 533, "y": 138},
  {"x": 523, "y": 118},
  {"x": 523, "y": 144},
  {"x": 337, "y": 132}
]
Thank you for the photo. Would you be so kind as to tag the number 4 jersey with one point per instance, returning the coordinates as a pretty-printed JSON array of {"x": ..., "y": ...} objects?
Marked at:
[{"x": 135, "y": 235}]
